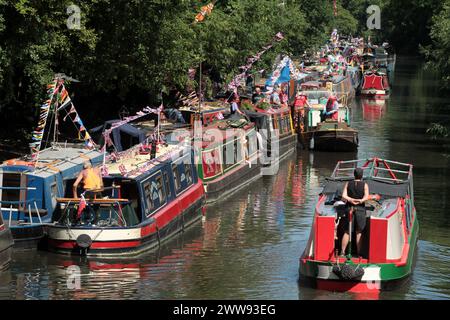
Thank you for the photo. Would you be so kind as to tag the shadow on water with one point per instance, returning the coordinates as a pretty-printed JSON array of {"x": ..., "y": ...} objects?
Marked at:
[{"x": 249, "y": 245}]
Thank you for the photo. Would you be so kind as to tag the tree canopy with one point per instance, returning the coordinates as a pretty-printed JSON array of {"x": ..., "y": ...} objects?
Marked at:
[{"x": 128, "y": 52}]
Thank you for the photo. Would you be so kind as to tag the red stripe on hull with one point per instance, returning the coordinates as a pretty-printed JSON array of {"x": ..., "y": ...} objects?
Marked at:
[
  {"x": 68, "y": 244},
  {"x": 176, "y": 207}
]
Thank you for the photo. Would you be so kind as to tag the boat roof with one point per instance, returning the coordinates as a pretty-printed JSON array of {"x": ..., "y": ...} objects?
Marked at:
[
  {"x": 138, "y": 164},
  {"x": 375, "y": 187},
  {"x": 384, "y": 177},
  {"x": 59, "y": 159}
]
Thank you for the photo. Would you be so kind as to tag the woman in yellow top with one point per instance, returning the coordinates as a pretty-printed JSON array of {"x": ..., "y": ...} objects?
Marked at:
[{"x": 92, "y": 179}]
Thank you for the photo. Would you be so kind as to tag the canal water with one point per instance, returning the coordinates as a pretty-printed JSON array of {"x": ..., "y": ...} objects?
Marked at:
[{"x": 249, "y": 245}]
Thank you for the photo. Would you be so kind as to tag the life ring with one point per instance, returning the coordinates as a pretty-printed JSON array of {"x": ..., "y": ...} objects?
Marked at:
[{"x": 17, "y": 162}]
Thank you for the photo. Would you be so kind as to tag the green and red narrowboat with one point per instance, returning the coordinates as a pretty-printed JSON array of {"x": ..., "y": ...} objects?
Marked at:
[
  {"x": 388, "y": 240},
  {"x": 315, "y": 133},
  {"x": 227, "y": 157},
  {"x": 276, "y": 129}
]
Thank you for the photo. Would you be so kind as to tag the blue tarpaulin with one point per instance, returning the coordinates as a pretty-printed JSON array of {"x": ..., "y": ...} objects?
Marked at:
[{"x": 285, "y": 76}]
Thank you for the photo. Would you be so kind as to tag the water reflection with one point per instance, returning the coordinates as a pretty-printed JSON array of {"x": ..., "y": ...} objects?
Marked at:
[{"x": 374, "y": 109}]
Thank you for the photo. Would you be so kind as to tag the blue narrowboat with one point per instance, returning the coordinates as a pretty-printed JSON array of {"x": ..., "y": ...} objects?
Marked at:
[{"x": 29, "y": 189}]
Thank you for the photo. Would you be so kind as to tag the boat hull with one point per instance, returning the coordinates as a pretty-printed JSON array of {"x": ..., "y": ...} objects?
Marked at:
[
  {"x": 232, "y": 181},
  {"x": 28, "y": 236},
  {"x": 6, "y": 243},
  {"x": 375, "y": 94},
  {"x": 377, "y": 276},
  {"x": 331, "y": 140},
  {"x": 287, "y": 145}
]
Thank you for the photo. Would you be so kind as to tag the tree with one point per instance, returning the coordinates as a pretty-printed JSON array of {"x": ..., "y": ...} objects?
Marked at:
[{"x": 438, "y": 53}]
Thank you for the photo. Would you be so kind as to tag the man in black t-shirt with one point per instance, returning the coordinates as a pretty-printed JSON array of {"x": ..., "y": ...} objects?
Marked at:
[{"x": 355, "y": 193}]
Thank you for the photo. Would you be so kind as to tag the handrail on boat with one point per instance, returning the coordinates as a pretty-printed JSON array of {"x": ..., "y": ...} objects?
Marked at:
[
  {"x": 18, "y": 188},
  {"x": 375, "y": 165},
  {"x": 95, "y": 201},
  {"x": 92, "y": 201}
]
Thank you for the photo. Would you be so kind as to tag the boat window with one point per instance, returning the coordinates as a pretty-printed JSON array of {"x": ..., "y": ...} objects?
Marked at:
[
  {"x": 252, "y": 144},
  {"x": 11, "y": 195},
  {"x": 54, "y": 192},
  {"x": 148, "y": 196},
  {"x": 176, "y": 177},
  {"x": 161, "y": 192},
  {"x": 188, "y": 172},
  {"x": 237, "y": 151},
  {"x": 167, "y": 184},
  {"x": 228, "y": 155}
]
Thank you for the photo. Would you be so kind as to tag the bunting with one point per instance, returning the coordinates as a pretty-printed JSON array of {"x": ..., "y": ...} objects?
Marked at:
[
  {"x": 204, "y": 11},
  {"x": 236, "y": 82},
  {"x": 285, "y": 62},
  {"x": 72, "y": 114},
  {"x": 38, "y": 133},
  {"x": 58, "y": 99},
  {"x": 190, "y": 100}
]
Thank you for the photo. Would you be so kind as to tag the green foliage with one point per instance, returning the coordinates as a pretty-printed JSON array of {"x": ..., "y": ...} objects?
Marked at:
[
  {"x": 438, "y": 53},
  {"x": 128, "y": 52},
  {"x": 264, "y": 106},
  {"x": 437, "y": 130},
  {"x": 247, "y": 106}
]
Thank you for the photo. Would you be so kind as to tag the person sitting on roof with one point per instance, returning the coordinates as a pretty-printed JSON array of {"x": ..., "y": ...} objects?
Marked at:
[
  {"x": 275, "y": 99},
  {"x": 234, "y": 104},
  {"x": 331, "y": 110},
  {"x": 257, "y": 96},
  {"x": 92, "y": 179},
  {"x": 355, "y": 193}
]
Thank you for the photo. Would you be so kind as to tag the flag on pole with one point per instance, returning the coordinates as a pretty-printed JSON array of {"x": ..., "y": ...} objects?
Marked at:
[
  {"x": 205, "y": 11},
  {"x": 81, "y": 206}
]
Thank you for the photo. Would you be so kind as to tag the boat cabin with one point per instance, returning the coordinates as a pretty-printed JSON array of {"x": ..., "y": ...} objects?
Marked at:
[{"x": 28, "y": 190}]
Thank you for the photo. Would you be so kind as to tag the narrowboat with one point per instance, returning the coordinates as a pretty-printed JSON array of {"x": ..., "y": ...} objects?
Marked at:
[
  {"x": 29, "y": 188},
  {"x": 227, "y": 156},
  {"x": 315, "y": 133},
  {"x": 375, "y": 85},
  {"x": 145, "y": 201},
  {"x": 6, "y": 243},
  {"x": 388, "y": 240},
  {"x": 333, "y": 135},
  {"x": 355, "y": 75},
  {"x": 278, "y": 138}
]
